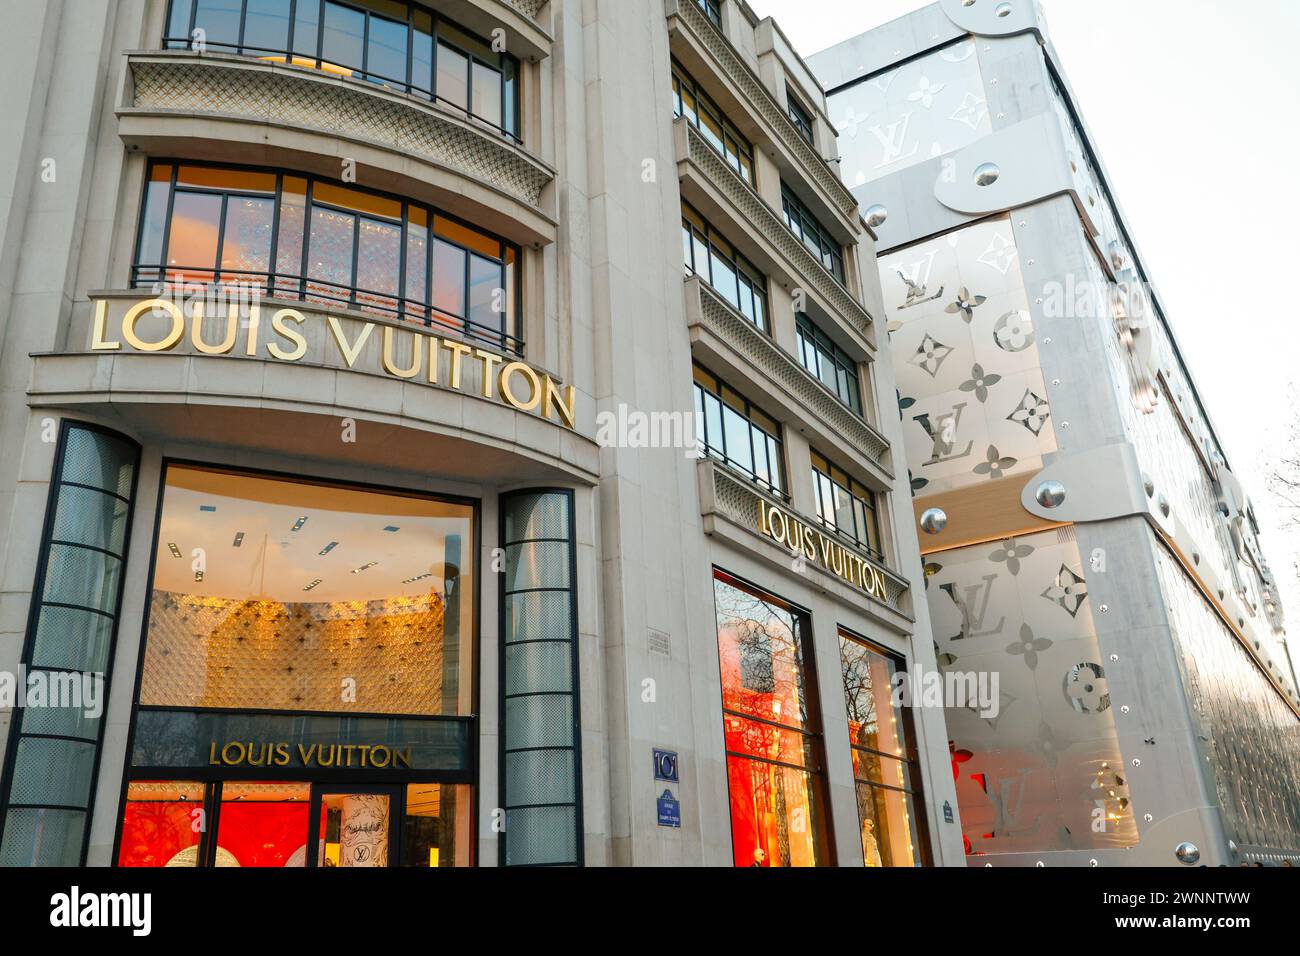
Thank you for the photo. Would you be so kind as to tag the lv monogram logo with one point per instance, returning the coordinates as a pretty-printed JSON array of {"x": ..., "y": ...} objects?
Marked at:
[
  {"x": 972, "y": 622},
  {"x": 944, "y": 436},
  {"x": 892, "y": 139}
]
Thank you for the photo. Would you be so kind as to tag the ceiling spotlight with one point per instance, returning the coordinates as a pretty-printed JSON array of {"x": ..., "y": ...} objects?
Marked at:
[
  {"x": 239, "y": 539},
  {"x": 297, "y": 525},
  {"x": 329, "y": 547},
  {"x": 176, "y": 552},
  {"x": 313, "y": 585},
  {"x": 364, "y": 567}
]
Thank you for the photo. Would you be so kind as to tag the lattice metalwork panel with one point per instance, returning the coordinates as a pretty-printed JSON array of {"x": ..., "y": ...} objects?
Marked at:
[
  {"x": 529, "y": 8},
  {"x": 766, "y": 222},
  {"x": 763, "y": 103},
  {"x": 277, "y": 95},
  {"x": 763, "y": 353}
]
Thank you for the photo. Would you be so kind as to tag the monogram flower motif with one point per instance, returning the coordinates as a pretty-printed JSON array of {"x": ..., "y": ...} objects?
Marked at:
[
  {"x": 1011, "y": 551},
  {"x": 966, "y": 303},
  {"x": 994, "y": 466},
  {"x": 980, "y": 382},
  {"x": 1028, "y": 646},
  {"x": 925, "y": 91}
]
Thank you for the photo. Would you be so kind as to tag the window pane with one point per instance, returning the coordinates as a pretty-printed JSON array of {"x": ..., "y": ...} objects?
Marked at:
[
  {"x": 874, "y": 721},
  {"x": 246, "y": 247},
  {"x": 511, "y": 95},
  {"x": 326, "y": 581},
  {"x": 485, "y": 293},
  {"x": 288, "y": 248},
  {"x": 761, "y": 469},
  {"x": 386, "y": 53},
  {"x": 888, "y": 829},
  {"x": 761, "y": 655},
  {"x": 487, "y": 94},
  {"x": 329, "y": 259},
  {"x": 378, "y": 263},
  {"x": 306, "y": 30},
  {"x": 776, "y": 815},
  {"x": 263, "y": 824},
  {"x": 417, "y": 262},
  {"x": 713, "y": 423},
  {"x": 161, "y": 824},
  {"x": 219, "y": 20},
  {"x": 178, "y": 21},
  {"x": 344, "y": 36},
  {"x": 192, "y": 243},
  {"x": 153, "y": 223},
  {"x": 422, "y": 53},
  {"x": 453, "y": 76},
  {"x": 266, "y": 26},
  {"x": 432, "y": 822},
  {"x": 448, "y": 278},
  {"x": 739, "y": 452},
  {"x": 724, "y": 279}
]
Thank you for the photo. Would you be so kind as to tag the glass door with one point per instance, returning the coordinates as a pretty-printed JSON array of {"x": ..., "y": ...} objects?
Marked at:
[{"x": 354, "y": 826}]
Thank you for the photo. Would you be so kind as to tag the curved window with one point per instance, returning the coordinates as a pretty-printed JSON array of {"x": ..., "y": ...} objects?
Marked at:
[
  {"x": 823, "y": 246},
  {"x": 390, "y": 43},
  {"x": 305, "y": 238},
  {"x": 832, "y": 366}
]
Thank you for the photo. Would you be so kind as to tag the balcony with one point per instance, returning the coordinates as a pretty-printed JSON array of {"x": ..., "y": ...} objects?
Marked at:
[
  {"x": 731, "y": 509},
  {"x": 710, "y": 185},
  {"x": 706, "y": 42},
  {"x": 735, "y": 348},
  {"x": 238, "y": 109}
]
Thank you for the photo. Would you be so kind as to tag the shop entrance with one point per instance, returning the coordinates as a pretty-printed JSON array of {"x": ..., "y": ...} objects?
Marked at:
[{"x": 294, "y": 824}]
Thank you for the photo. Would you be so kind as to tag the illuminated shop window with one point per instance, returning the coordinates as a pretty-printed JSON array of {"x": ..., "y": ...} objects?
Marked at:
[
  {"x": 717, "y": 262},
  {"x": 268, "y": 825},
  {"x": 824, "y": 247},
  {"x": 830, "y": 364},
  {"x": 702, "y": 113},
  {"x": 268, "y": 592},
  {"x": 391, "y": 43},
  {"x": 773, "y": 743},
  {"x": 885, "y": 770},
  {"x": 735, "y": 432},
  {"x": 845, "y": 505},
  {"x": 306, "y": 238}
]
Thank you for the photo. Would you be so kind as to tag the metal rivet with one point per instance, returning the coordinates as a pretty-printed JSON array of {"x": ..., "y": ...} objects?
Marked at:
[
  {"x": 1003, "y": 10},
  {"x": 1056, "y": 381},
  {"x": 1047, "y": 341},
  {"x": 1148, "y": 485},
  {"x": 1050, "y": 494},
  {"x": 876, "y": 215},
  {"x": 1031, "y": 262},
  {"x": 1147, "y": 817},
  {"x": 1188, "y": 853},
  {"x": 1163, "y": 504},
  {"x": 986, "y": 174},
  {"x": 1137, "y": 762},
  {"x": 1039, "y": 863},
  {"x": 1105, "y": 608},
  {"x": 1114, "y": 658},
  {"x": 1124, "y": 709},
  {"x": 1092, "y": 863},
  {"x": 933, "y": 520}
]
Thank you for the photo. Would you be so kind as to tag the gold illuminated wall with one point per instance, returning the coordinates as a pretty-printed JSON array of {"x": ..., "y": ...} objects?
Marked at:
[{"x": 378, "y": 657}]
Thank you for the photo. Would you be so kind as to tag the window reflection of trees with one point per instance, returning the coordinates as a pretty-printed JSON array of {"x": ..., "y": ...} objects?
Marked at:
[{"x": 771, "y": 662}]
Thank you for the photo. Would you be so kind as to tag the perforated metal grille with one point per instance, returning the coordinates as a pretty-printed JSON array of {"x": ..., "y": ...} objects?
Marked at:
[
  {"x": 537, "y": 516},
  {"x": 540, "y": 835},
  {"x": 99, "y": 460},
  {"x": 538, "y": 615},
  {"x": 68, "y": 637},
  {"x": 537, "y": 564},
  {"x": 539, "y": 667},
  {"x": 544, "y": 721},
  {"x": 42, "y": 838},
  {"x": 91, "y": 517},
  {"x": 70, "y": 721},
  {"x": 83, "y": 577},
  {"x": 539, "y": 776},
  {"x": 56, "y": 772}
]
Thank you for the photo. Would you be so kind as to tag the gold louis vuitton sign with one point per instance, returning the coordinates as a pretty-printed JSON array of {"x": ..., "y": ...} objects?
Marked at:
[
  {"x": 160, "y": 325},
  {"x": 237, "y": 753},
  {"x": 813, "y": 545}
]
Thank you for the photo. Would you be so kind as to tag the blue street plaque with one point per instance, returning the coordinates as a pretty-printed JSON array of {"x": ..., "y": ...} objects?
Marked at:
[
  {"x": 666, "y": 765},
  {"x": 670, "y": 810}
]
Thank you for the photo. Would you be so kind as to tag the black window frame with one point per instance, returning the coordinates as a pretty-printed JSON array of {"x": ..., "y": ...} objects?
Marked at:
[
  {"x": 713, "y": 10},
  {"x": 868, "y": 501},
  {"x": 729, "y": 398},
  {"x": 314, "y": 56},
  {"x": 800, "y": 117},
  {"x": 816, "y": 238},
  {"x": 910, "y": 757},
  {"x": 745, "y": 270},
  {"x": 731, "y": 135},
  {"x": 817, "y": 348},
  {"x": 297, "y": 286}
]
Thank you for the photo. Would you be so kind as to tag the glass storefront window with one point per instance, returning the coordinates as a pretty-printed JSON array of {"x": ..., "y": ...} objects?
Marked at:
[
  {"x": 263, "y": 824},
  {"x": 390, "y": 43},
  {"x": 273, "y": 594},
  {"x": 161, "y": 824},
  {"x": 312, "y": 239},
  {"x": 884, "y": 771},
  {"x": 774, "y": 765}
]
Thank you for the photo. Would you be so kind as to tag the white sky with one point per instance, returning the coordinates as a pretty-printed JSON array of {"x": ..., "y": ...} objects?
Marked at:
[{"x": 1192, "y": 105}]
